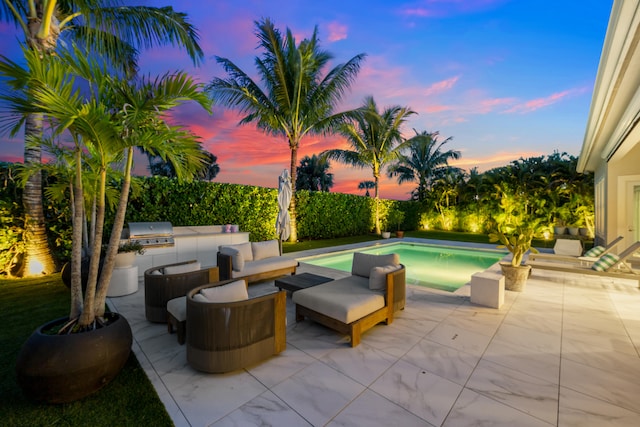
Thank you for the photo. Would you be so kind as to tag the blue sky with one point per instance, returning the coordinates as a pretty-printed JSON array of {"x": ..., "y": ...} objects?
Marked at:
[{"x": 505, "y": 78}]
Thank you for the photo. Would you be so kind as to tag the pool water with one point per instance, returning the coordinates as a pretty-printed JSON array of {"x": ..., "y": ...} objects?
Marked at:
[{"x": 441, "y": 267}]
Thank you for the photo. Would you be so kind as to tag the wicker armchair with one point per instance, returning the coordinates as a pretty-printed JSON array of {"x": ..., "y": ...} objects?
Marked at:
[
  {"x": 224, "y": 337},
  {"x": 160, "y": 288}
]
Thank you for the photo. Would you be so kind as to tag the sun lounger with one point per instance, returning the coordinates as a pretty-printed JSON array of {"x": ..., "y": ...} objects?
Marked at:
[
  {"x": 587, "y": 259},
  {"x": 614, "y": 266}
]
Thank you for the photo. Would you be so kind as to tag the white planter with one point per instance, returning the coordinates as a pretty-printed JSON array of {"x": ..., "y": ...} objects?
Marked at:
[
  {"x": 574, "y": 231},
  {"x": 386, "y": 234},
  {"x": 125, "y": 259},
  {"x": 559, "y": 230}
]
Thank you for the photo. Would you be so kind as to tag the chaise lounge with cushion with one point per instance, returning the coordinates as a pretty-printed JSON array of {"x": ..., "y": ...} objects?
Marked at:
[
  {"x": 352, "y": 305},
  {"x": 254, "y": 261},
  {"x": 165, "y": 282},
  {"x": 587, "y": 258},
  {"x": 608, "y": 265}
]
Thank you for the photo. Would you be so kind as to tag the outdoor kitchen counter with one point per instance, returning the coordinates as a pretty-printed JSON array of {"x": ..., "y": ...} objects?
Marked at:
[{"x": 193, "y": 242}]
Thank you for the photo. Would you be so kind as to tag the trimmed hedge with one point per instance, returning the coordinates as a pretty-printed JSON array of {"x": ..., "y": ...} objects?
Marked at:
[{"x": 320, "y": 215}]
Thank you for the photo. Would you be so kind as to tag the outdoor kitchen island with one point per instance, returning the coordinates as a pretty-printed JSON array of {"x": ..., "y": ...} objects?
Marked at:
[{"x": 193, "y": 242}]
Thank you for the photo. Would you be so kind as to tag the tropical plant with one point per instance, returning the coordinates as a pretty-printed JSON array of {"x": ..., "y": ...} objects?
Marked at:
[
  {"x": 296, "y": 98},
  {"x": 313, "y": 174},
  {"x": 517, "y": 239},
  {"x": 109, "y": 27},
  {"x": 161, "y": 167},
  {"x": 107, "y": 122},
  {"x": 424, "y": 160},
  {"x": 375, "y": 138},
  {"x": 395, "y": 217},
  {"x": 133, "y": 246}
]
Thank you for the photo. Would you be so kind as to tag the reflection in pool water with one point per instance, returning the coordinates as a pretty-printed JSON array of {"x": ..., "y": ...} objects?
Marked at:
[{"x": 441, "y": 267}]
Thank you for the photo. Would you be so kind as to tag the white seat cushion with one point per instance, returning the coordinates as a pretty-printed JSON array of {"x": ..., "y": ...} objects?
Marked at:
[
  {"x": 237, "y": 260},
  {"x": 243, "y": 248},
  {"x": 266, "y": 249},
  {"x": 363, "y": 263},
  {"x": 378, "y": 277},
  {"x": 183, "y": 268},
  {"x": 264, "y": 265},
  {"x": 177, "y": 307},
  {"x": 233, "y": 291},
  {"x": 346, "y": 300}
]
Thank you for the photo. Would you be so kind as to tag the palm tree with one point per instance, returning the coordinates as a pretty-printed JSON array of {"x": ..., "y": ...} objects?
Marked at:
[
  {"x": 109, "y": 27},
  {"x": 115, "y": 116},
  {"x": 375, "y": 140},
  {"x": 425, "y": 162},
  {"x": 296, "y": 99},
  {"x": 366, "y": 185},
  {"x": 313, "y": 174},
  {"x": 161, "y": 167}
]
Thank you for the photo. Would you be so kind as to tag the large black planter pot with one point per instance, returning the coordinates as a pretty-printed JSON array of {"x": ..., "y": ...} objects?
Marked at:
[{"x": 66, "y": 368}]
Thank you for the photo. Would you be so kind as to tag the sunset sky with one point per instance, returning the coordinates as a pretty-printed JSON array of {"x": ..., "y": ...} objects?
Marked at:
[{"x": 505, "y": 78}]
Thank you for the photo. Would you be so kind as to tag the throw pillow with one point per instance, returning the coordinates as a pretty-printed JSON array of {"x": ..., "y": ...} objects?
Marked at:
[
  {"x": 267, "y": 249},
  {"x": 183, "y": 268},
  {"x": 378, "y": 277},
  {"x": 233, "y": 291},
  {"x": 605, "y": 262},
  {"x": 596, "y": 251},
  {"x": 243, "y": 248},
  {"x": 363, "y": 263},
  {"x": 199, "y": 297},
  {"x": 237, "y": 259}
]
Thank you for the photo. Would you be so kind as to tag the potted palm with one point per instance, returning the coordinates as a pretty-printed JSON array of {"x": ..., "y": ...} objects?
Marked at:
[
  {"x": 76, "y": 355},
  {"x": 395, "y": 217},
  {"x": 517, "y": 239}
]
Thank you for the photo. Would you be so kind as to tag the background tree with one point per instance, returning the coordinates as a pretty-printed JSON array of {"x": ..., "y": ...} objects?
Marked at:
[
  {"x": 424, "y": 161},
  {"x": 375, "y": 138},
  {"x": 366, "y": 185},
  {"x": 313, "y": 174},
  {"x": 108, "y": 27},
  {"x": 163, "y": 167},
  {"x": 296, "y": 98}
]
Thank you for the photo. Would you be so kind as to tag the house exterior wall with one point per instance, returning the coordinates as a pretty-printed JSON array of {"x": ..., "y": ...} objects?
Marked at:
[
  {"x": 613, "y": 204},
  {"x": 611, "y": 148}
]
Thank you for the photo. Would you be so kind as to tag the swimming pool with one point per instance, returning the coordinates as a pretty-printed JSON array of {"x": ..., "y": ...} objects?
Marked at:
[{"x": 441, "y": 267}]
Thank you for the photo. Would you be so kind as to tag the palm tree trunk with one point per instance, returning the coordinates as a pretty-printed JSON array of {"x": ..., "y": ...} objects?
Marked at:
[
  {"x": 76, "y": 246},
  {"x": 293, "y": 237},
  {"x": 38, "y": 257},
  {"x": 88, "y": 313},
  {"x": 114, "y": 240},
  {"x": 376, "y": 180}
]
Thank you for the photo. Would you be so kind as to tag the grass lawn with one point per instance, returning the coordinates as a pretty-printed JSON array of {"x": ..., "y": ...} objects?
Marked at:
[{"x": 129, "y": 399}]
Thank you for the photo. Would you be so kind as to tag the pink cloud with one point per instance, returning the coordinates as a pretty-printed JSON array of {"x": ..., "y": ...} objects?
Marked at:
[
  {"x": 337, "y": 31},
  {"x": 446, "y": 8},
  {"x": 536, "y": 104},
  {"x": 441, "y": 86}
]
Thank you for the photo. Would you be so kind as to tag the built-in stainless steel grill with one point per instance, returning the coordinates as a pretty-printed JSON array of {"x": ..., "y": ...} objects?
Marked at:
[{"x": 151, "y": 234}]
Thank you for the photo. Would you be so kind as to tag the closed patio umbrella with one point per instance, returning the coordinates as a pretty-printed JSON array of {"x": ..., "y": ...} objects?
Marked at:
[{"x": 283, "y": 222}]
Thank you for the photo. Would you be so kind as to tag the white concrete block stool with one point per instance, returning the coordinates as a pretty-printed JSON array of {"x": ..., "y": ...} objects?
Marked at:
[
  {"x": 487, "y": 288},
  {"x": 124, "y": 281},
  {"x": 177, "y": 317}
]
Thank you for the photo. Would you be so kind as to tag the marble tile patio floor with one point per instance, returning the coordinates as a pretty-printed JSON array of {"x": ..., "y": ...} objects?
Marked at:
[{"x": 563, "y": 353}]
